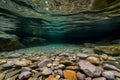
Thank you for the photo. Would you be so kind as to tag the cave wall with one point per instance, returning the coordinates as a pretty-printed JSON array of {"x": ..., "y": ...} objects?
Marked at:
[{"x": 63, "y": 19}]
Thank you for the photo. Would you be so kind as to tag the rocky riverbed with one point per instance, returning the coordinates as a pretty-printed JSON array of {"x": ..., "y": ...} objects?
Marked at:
[{"x": 59, "y": 62}]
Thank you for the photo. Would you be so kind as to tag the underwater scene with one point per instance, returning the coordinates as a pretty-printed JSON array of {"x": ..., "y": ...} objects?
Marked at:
[{"x": 59, "y": 39}]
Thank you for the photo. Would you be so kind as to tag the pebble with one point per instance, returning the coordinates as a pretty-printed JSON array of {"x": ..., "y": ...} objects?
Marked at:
[
  {"x": 2, "y": 75},
  {"x": 70, "y": 75},
  {"x": 64, "y": 54},
  {"x": 58, "y": 76},
  {"x": 72, "y": 68},
  {"x": 47, "y": 71},
  {"x": 49, "y": 65},
  {"x": 25, "y": 69},
  {"x": 80, "y": 76},
  {"x": 93, "y": 60},
  {"x": 13, "y": 77},
  {"x": 51, "y": 78},
  {"x": 100, "y": 78},
  {"x": 117, "y": 78},
  {"x": 22, "y": 63},
  {"x": 2, "y": 61},
  {"x": 31, "y": 78},
  {"x": 24, "y": 75},
  {"x": 44, "y": 63},
  {"x": 60, "y": 72},
  {"x": 9, "y": 64},
  {"x": 117, "y": 74},
  {"x": 88, "y": 78},
  {"x": 14, "y": 55},
  {"x": 109, "y": 75},
  {"x": 55, "y": 63},
  {"x": 67, "y": 62},
  {"x": 11, "y": 73},
  {"x": 110, "y": 67},
  {"x": 88, "y": 68},
  {"x": 98, "y": 71},
  {"x": 61, "y": 66},
  {"x": 103, "y": 57},
  {"x": 82, "y": 55}
]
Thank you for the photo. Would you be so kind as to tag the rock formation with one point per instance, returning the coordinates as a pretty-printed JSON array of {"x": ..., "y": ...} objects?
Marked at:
[{"x": 59, "y": 19}]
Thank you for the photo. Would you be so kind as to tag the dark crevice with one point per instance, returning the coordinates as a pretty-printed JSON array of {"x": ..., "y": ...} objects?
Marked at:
[
  {"x": 21, "y": 3},
  {"x": 110, "y": 1},
  {"x": 4, "y": 11}
]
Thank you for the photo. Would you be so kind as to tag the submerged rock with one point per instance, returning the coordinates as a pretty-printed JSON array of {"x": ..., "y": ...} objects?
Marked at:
[
  {"x": 9, "y": 64},
  {"x": 24, "y": 75},
  {"x": 88, "y": 68},
  {"x": 100, "y": 78},
  {"x": 9, "y": 42},
  {"x": 14, "y": 55},
  {"x": 93, "y": 60},
  {"x": 51, "y": 78},
  {"x": 70, "y": 75},
  {"x": 46, "y": 71},
  {"x": 44, "y": 63},
  {"x": 111, "y": 50},
  {"x": 109, "y": 75},
  {"x": 80, "y": 76}
]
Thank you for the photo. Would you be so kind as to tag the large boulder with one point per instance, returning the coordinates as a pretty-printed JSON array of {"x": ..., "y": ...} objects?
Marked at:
[
  {"x": 9, "y": 42},
  {"x": 110, "y": 49}
]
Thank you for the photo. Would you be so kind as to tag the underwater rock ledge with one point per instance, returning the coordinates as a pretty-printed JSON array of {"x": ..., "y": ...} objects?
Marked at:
[{"x": 60, "y": 20}]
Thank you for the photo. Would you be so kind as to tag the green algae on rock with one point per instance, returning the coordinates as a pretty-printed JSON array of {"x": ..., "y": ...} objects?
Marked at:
[{"x": 110, "y": 49}]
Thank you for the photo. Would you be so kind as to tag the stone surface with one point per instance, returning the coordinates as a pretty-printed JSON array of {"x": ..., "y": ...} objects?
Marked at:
[
  {"x": 24, "y": 75},
  {"x": 15, "y": 55},
  {"x": 61, "y": 66},
  {"x": 2, "y": 75},
  {"x": 82, "y": 55},
  {"x": 80, "y": 76},
  {"x": 60, "y": 72},
  {"x": 72, "y": 68},
  {"x": 100, "y": 78},
  {"x": 31, "y": 78},
  {"x": 9, "y": 64},
  {"x": 111, "y": 49},
  {"x": 70, "y": 75},
  {"x": 22, "y": 62},
  {"x": 47, "y": 71},
  {"x": 13, "y": 77},
  {"x": 98, "y": 71},
  {"x": 111, "y": 66},
  {"x": 116, "y": 73},
  {"x": 109, "y": 75},
  {"x": 67, "y": 62},
  {"x": 93, "y": 60},
  {"x": 44, "y": 62},
  {"x": 11, "y": 73},
  {"x": 9, "y": 42},
  {"x": 88, "y": 68},
  {"x": 25, "y": 69},
  {"x": 88, "y": 78},
  {"x": 51, "y": 78}
]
